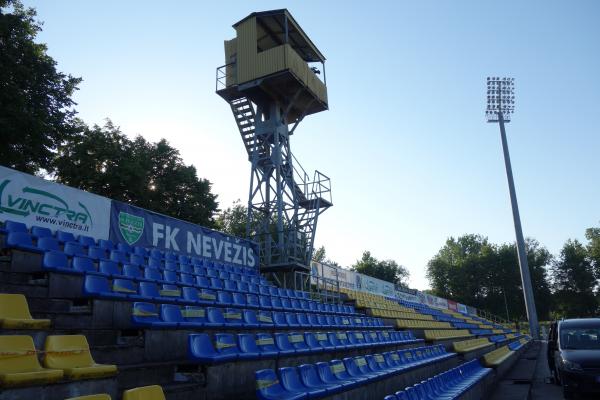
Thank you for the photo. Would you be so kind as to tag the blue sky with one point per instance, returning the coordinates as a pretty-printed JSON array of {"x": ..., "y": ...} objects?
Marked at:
[{"x": 405, "y": 142}]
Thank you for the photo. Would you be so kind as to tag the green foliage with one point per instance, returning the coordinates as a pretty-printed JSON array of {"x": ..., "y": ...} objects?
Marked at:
[
  {"x": 387, "y": 270},
  {"x": 574, "y": 282},
  {"x": 104, "y": 161},
  {"x": 319, "y": 254},
  {"x": 473, "y": 271},
  {"x": 36, "y": 108},
  {"x": 233, "y": 219},
  {"x": 593, "y": 249}
]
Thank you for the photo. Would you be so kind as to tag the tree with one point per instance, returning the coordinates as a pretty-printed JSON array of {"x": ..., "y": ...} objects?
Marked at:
[
  {"x": 319, "y": 254},
  {"x": 36, "y": 108},
  {"x": 104, "y": 161},
  {"x": 473, "y": 271},
  {"x": 387, "y": 270},
  {"x": 593, "y": 249},
  {"x": 574, "y": 281},
  {"x": 233, "y": 219}
]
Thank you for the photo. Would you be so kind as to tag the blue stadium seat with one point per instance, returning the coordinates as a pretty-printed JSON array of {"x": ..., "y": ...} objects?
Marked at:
[
  {"x": 248, "y": 348},
  {"x": 183, "y": 259},
  {"x": 290, "y": 379},
  {"x": 298, "y": 342},
  {"x": 156, "y": 254},
  {"x": 99, "y": 286},
  {"x": 135, "y": 250},
  {"x": 21, "y": 241},
  {"x": 310, "y": 378},
  {"x": 268, "y": 387},
  {"x": 273, "y": 291},
  {"x": 74, "y": 249},
  {"x": 109, "y": 268},
  {"x": 153, "y": 275},
  {"x": 172, "y": 314},
  {"x": 327, "y": 377},
  {"x": 223, "y": 275},
  {"x": 118, "y": 256},
  {"x": 128, "y": 288},
  {"x": 124, "y": 247},
  {"x": 216, "y": 284},
  {"x": 196, "y": 315},
  {"x": 56, "y": 261},
  {"x": 106, "y": 244},
  {"x": 146, "y": 315},
  {"x": 354, "y": 372},
  {"x": 136, "y": 259},
  {"x": 252, "y": 301},
  {"x": 265, "y": 302},
  {"x": 356, "y": 339},
  {"x": 276, "y": 303},
  {"x": 202, "y": 282},
  {"x": 171, "y": 265},
  {"x": 224, "y": 298},
  {"x": 292, "y": 320},
  {"x": 265, "y": 318},
  {"x": 239, "y": 299},
  {"x": 303, "y": 319},
  {"x": 131, "y": 271},
  {"x": 253, "y": 288},
  {"x": 48, "y": 243},
  {"x": 193, "y": 295},
  {"x": 233, "y": 318},
  {"x": 215, "y": 317},
  {"x": 250, "y": 319},
  {"x": 186, "y": 269},
  {"x": 64, "y": 237},
  {"x": 279, "y": 320},
  {"x": 83, "y": 265},
  {"x": 155, "y": 263},
  {"x": 264, "y": 291},
  {"x": 170, "y": 276},
  {"x": 286, "y": 304},
  {"x": 14, "y": 226},
  {"x": 201, "y": 348},
  {"x": 266, "y": 345},
  {"x": 40, "y": 232},
  {"x": 211, "y": 273},
  {"x": 229, "y": 285},
  {"x": 187, "y": 279},
  {"x": 243, "y": 287},
  {"x": 363, "y": 366},
  {"x": 96, "y": 253},
  {"x": 170, "y": 256},
  {"x": 86, "y": 241}
]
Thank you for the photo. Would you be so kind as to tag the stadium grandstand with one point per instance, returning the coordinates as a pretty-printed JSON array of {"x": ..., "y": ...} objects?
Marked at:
[{"x": 103, "y": 300}]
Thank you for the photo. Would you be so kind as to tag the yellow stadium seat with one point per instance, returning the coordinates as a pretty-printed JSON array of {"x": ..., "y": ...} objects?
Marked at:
[
  {"x": 19, "y": 364},
  {"x": 102, "y": 396},
  {"x": 14, "y": 313},
  {"x": 443, "y": 334},
  {"x": 466, "y": 346},
  {"x": 153, "y": 392},
  {"x": 71, "y": 353},
  {"x": 496, "y": 357}
]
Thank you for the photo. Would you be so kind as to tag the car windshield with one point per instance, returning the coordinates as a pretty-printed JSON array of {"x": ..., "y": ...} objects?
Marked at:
[{"x": 580, "y": 338}]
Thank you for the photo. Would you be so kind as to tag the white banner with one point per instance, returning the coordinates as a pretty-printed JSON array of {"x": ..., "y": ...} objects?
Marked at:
[
  {"x": 462, "y": 308},
  {"x": 413, "y": 298},
  {"x": 36, "y": 201}
]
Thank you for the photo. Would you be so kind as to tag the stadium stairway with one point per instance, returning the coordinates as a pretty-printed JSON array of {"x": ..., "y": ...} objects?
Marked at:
[{"x": 205, "y": 330}]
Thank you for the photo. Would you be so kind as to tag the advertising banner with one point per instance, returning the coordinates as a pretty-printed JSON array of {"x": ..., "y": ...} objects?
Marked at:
[
  {"x": 345, "y": 277},
  {"x": 407, "y": 296},
  {"x": 139, "y": 227},
  {"x": 36, "y": 201},
  {"x": 462, "y": 308},
  {"x": 452, "y": 305},
  {"x": 373, "y": 285},
  {"x": 471, "y": 310}
]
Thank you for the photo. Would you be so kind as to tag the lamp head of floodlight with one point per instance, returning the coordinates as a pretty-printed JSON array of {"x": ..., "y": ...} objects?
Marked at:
[{"x": 500, "y": 98}]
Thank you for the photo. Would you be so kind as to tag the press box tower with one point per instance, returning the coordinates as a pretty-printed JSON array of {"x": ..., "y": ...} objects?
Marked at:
[{"x": 272, "y": 81}]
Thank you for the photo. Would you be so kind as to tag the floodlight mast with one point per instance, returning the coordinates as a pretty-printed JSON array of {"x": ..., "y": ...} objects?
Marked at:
[{"x": 500, "y": 106}]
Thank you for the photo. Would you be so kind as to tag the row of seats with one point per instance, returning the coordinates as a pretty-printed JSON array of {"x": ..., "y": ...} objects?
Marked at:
[
  {"x": 466, "y": 346},
  {"x": 41, "y": 239},
  {"x": 246, "y": 346},
  {"x": 63, "y": 356},
  {"x": 448, "y": 385},
  {"x": 153, "y": 392},
  {"x": 496, "y": 357},
  {"x": 516, "y": 345},
  {"x": 445, "y": 334},
  {"x": 14, "y": 313},
  {"x": 327, "y": 378},
  {"x": 166, "y": 316},
  {"x": 69, "y": 263},
  {"x": 420, "y": 324},
  {"x": 129, "y": 290},
  {"x": 376, "y": 312}
]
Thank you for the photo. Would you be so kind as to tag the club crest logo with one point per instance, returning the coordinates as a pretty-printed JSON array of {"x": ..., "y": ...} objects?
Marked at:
[{"x": 131, "y": 227}]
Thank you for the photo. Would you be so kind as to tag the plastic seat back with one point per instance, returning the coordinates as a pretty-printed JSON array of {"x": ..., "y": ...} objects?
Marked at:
[
  {"x": 63, "y": 236},
  {"x": 194, "y": 314},
  {"x": 83, "y": 264},
  {"x": 290, "y": 379},
  {"x": 14, "y": 306},
  {"x": 96, "y": 253},
  {"x": 136, "y": 259},
  {"x": 144, "y": 313},
  {"x": 14, "y": 226},
  {"x": 265, "y": 317},
  {"x": 126, "y": 248},
  {"x": 170, "y": 313},
  {"x": 266, "y": 343},
  {"x": 118, "y": 256},
  {"x": 153, "y": 392},
  {"x": 48, "y": 243},
  {"x": 268, "y": 386},
  {"x": 18, "y": 354},
  {"x": 67, "y": 351},
  {"x": 74, "y": 249},
  {"x": 54, "y": 260},
  {"x": 86, "y": 241}
]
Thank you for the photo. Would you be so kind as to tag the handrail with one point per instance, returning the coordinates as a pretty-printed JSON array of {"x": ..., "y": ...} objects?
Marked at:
[{"x": 221, "y": 76}]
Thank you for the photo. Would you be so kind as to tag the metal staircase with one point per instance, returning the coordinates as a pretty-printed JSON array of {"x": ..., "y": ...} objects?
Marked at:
[{"x": 305, "y": 199}]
